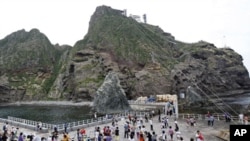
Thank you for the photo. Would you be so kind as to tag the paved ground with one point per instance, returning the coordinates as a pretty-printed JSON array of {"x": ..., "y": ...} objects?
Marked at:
[{"x": 186, "y": 131}]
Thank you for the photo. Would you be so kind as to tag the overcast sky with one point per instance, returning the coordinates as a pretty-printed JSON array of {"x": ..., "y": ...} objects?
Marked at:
[{"x": 222, "y": 22}]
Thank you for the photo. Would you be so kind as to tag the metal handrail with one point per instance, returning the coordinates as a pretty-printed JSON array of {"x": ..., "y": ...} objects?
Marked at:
[
  {"x": 71, "y": 125},
  {"x": 145, "y": 102},
  {"x": 217, "y": 116}
]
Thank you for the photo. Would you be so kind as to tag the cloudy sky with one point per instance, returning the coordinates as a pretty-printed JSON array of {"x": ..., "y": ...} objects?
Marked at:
[{"x": 222, "y": 22}]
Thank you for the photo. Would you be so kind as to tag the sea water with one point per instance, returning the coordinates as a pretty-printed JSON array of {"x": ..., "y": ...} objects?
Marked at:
[{"x": 47, "y": 114}]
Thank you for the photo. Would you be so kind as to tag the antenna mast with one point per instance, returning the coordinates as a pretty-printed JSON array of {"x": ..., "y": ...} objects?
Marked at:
[{"x": 145, "y": 18}]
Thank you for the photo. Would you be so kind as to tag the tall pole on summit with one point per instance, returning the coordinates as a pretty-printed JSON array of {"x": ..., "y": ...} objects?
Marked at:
[{"x": 145, "y": 18}]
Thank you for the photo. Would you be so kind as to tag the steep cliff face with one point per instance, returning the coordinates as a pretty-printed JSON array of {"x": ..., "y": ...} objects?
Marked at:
[
  {"x": 214, "y": 74},
  {"x": 147, "y": 61},
  {"x": 218, "y": 69},
  {"x": 141, "y": 54},
  {"x": 29, "y": 65},
  {"x": 150, "y": 61}
]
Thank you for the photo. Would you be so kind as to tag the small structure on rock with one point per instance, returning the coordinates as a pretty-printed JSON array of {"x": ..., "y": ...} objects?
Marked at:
[{"x": 136, "y": 17}]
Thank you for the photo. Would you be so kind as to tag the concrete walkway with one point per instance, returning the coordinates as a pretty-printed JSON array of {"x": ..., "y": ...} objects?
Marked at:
[{"x": 186, "y": 131}]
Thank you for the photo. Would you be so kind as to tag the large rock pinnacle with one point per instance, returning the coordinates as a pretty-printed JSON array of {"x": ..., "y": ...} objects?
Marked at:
[{"x": 110, "y": 97}]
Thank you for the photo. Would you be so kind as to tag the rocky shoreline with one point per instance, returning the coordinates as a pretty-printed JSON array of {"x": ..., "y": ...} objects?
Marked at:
[
  {"x": 69, "y": 103},
  {"x": 57, "y": 103}
]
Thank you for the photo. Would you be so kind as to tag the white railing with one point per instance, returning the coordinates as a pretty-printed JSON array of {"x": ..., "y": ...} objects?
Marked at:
[
  {"x": 99, "y": 120},
  {"x": 217, "y": 116},
  {"x": 73, "y": 125},
  {"x": 145, "y": 102},
  {"x": 29, "y": 122}
]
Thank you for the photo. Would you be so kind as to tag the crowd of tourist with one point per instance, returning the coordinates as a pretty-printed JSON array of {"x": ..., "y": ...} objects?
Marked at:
[
  {"x": 12, "y": 133},
  {"x": 142, "y": 129},
  {"x": 130, "y": 128}
]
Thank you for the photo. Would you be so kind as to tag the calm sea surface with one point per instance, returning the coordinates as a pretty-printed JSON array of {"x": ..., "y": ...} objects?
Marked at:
[{"x": 48, "y": 114}]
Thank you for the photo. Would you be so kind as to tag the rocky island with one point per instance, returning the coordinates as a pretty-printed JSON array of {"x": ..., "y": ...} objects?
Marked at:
[{"x": 145, "y": 59}]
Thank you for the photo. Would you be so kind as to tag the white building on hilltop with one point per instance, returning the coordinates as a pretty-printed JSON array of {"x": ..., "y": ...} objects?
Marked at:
[{"x": 136, "y": 17}]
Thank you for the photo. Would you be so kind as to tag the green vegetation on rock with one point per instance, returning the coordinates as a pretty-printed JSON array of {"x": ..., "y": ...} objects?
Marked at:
[{"x": 147, "y": 60}]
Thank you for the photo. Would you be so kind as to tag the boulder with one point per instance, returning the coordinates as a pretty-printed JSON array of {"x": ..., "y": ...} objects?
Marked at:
[{"x": 110, "y": 97}]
